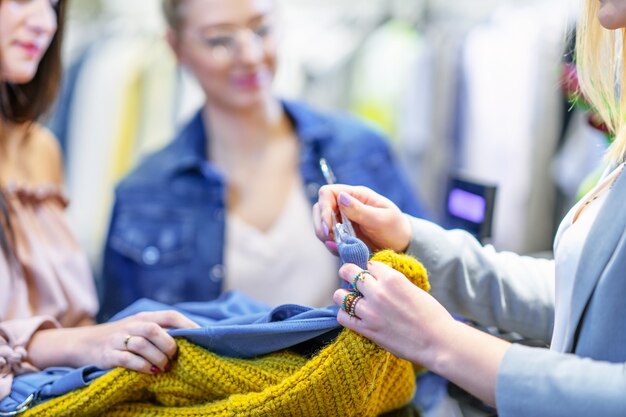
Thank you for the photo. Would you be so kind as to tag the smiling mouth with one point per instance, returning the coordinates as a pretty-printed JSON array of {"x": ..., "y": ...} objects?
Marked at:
[
  {"x": 253, "y": 80},
  {"x": 32, "y": 49}
]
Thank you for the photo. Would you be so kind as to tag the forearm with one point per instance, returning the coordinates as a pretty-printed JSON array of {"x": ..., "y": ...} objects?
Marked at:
[
  {"x": 512, "y": 292},
  {"x": 53, "y": 347},
  {"x": 469, "y": 358},
  {"x": 139, "y": 342},
  {"x": 540, "y": 382}
]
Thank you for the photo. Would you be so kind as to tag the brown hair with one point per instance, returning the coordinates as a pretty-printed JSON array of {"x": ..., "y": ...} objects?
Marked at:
[
  {"x": 172, "y": 13},
  {"x": 22, "y": 103},
  {"x": 6, "y": 231},
  {"x": 26, "y": 103}
]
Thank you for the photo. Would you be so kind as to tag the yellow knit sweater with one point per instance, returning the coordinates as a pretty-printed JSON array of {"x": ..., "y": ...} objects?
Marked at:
[{"x": 349, "y": 377}]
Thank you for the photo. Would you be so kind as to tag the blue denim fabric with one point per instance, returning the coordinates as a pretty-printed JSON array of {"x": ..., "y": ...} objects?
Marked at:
[
  {"x": 166, "y": 235},
  {"x": 237, "y": 326},
  {"x": 232, "y": 325},
  {"x": 47, "y": 384}
]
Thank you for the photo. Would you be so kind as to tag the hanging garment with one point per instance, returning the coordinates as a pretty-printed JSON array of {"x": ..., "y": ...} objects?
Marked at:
[
  {"x": 381, "y": 73},
  {"x": 511, "y": 119}
]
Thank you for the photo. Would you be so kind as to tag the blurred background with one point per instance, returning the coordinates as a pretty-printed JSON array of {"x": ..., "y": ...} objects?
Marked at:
[{"x": 460, "y": 88}]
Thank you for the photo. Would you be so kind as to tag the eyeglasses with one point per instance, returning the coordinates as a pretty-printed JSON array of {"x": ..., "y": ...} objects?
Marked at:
[{"x": 225, "y": 45}]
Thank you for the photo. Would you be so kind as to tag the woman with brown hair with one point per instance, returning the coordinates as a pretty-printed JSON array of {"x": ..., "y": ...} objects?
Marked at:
[{"x": 47, "y": 295}]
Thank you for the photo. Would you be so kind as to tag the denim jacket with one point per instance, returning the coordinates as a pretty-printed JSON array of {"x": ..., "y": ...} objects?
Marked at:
[{"x": 166, "y": 235}]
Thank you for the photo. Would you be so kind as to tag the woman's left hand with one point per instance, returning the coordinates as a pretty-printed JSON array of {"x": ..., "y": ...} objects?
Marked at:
[
  {"x": 411, "y": 324},
  {"x": 394, "y": 313}
]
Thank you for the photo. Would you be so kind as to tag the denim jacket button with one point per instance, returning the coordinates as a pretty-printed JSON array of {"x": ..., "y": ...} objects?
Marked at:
[
  {"x": 150, "y": 255},
  {"x": 312, "y": 189},
  {"x": 217, "y": 273}
]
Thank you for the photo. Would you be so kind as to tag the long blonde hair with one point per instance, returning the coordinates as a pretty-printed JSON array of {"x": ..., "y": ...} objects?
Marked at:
[{"x": 601, "y": 73}]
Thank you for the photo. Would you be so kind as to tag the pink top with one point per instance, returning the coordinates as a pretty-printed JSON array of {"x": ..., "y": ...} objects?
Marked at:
[{"x": 48, "y": 285}]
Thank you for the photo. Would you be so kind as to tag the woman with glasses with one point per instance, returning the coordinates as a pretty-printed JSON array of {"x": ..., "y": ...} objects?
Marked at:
[{"x": 227, "y": 204}]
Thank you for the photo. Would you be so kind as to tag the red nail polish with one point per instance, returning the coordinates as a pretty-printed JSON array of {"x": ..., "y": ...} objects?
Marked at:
[
  {"x": 155, "y": 370},
  {"x": 168, "y": 367}
]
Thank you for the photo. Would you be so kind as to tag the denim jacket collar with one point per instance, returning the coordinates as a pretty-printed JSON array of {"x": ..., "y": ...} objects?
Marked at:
[
  {"x": 191, "y": 145},
  {"x": 309, "y": 127}
]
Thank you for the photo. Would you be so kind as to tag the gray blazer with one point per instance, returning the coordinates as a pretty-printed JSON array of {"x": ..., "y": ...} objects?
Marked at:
[{"x": 516, "y": 293}]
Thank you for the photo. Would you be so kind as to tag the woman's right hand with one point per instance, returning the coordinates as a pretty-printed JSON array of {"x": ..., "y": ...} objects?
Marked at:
[
  {"x": 376, "y": 220},
  {"x": 139, "y": 342}
]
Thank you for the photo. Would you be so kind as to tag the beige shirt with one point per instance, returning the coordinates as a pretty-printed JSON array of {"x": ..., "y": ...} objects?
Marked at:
[
  {"x": 285, "y": 265},
  {"x": 49, "y": 283}
]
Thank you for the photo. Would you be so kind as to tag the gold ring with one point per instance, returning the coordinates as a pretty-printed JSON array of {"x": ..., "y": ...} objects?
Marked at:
[
  {"x": 347, "y": 301},
  {"x": 360, "y": 277},
  {"x": 352, "y": 312},
  {"x": 126, "y": 339}
]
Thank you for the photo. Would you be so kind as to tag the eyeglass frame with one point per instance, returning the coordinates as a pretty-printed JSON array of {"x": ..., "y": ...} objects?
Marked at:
[{"x": 224, "y": 47}]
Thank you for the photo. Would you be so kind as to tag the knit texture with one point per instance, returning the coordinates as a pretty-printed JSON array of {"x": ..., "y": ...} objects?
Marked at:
[
  {"x": 353, "y": 250},
  {"x": 406, "y": 264},
  {"x": 349, "y": 377}
]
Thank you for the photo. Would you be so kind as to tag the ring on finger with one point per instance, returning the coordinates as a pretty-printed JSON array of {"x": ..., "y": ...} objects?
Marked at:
[
  {"x": 347, "y": 301},
  {"x": 126, "y": 340},
  {"x": 352, "y": 312},
  {"x": 360, "y": 277}
]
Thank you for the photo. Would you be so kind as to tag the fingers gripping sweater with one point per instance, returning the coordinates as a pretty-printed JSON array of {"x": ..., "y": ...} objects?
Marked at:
[{"x": 349, "y": 377}]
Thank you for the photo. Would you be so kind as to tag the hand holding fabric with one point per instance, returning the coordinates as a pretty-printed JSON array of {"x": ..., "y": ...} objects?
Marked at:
[
  {"x": 407, "y": 321},
  {"x": 376, "y": 220},
  {"x": 139, "y": 342},
  {"x": 394, "y": 313}
]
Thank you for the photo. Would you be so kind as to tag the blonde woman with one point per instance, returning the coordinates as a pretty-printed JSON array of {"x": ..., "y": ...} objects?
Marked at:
[
  {"x": 227, "y": 205},
  {"x": 574, "y": 303}
]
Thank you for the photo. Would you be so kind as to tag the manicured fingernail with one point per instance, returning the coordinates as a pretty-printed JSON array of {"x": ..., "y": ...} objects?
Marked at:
[
  {"x": 155, "y": 370},
  {"x": 331, "y": 245},
  {"x": 168, "y": 367},
  {"x": 345, "y": 200},
  {"x": 325, "y": 229}
]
